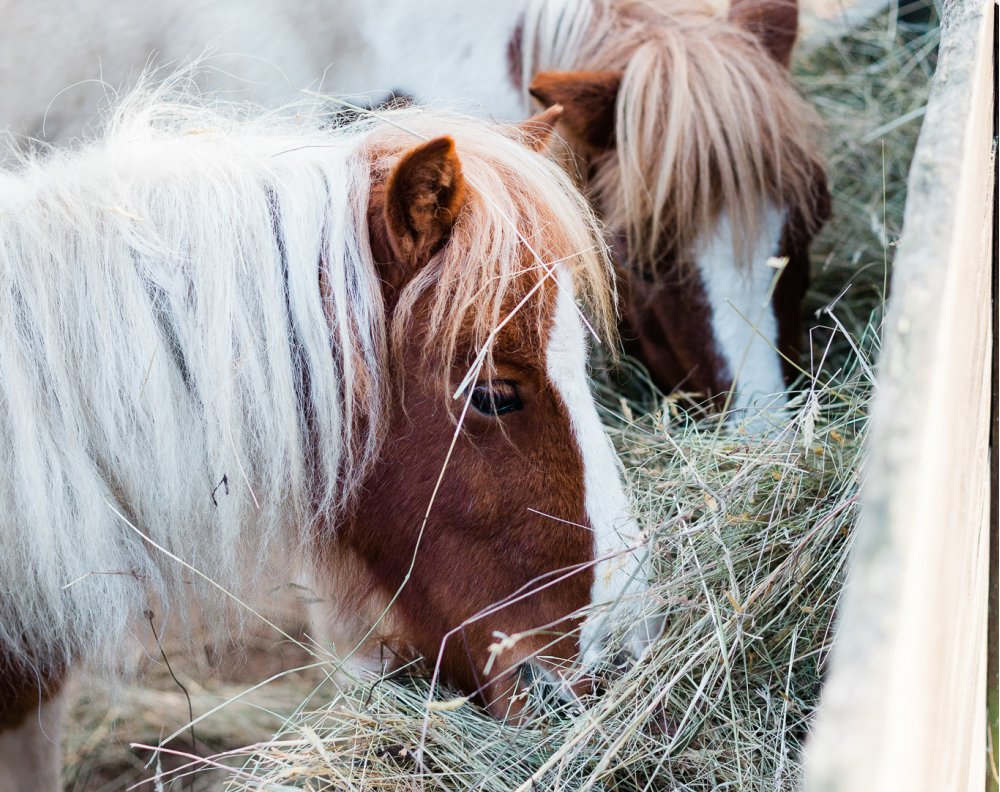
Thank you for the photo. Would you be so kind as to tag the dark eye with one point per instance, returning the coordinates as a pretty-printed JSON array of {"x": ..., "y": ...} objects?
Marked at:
[{"x": 496, "y": 397}]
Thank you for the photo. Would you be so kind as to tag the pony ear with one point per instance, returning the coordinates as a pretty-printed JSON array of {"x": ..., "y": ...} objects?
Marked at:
[
  {"x": 588, "y": 100},
  {"x": 775, "y": 23},
  {"x": 423, "y": 197},
  {"x": 538, "y": 130}
]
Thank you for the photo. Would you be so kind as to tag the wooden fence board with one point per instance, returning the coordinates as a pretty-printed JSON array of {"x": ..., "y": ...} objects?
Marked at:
[{"x": 904, "y": 705}]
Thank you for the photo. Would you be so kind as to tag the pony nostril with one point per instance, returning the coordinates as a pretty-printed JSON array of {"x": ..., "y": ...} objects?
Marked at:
[
  {"x": 551, "y": 691},
  {"x": 526, "y": 673},
  {"x": 612, "y": 667},
  {"x": 624, "y": 660},
  {"x": 539, "y": 679}
]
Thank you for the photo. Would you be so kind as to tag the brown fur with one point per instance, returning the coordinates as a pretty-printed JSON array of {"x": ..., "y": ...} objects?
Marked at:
[
  {"x": 424, "y": 196},
  {"x": 663, "y": 324},
  {"x": 538, "y": 130},
  {"x": 775, "y": 23},
  {"x": 477, "y": 518},
  {"x": 588, "y": 101}
]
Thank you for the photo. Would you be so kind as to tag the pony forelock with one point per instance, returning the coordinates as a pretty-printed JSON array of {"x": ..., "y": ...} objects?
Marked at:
[{"x": 706, "y": 121}]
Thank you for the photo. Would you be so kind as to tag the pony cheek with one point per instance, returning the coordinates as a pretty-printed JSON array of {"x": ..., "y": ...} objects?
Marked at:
[{"x": 667, "y": 324}]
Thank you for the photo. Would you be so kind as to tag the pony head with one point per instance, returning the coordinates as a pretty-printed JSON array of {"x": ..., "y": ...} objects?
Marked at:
[
  {"x": 492, "y": 530},
  {"x": 701, "y": 156}
]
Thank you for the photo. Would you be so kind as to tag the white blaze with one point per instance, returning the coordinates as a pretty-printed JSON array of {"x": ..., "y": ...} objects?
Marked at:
[
  {"x": 621, "y": 572},
  {"x": 743, "y": 321}
]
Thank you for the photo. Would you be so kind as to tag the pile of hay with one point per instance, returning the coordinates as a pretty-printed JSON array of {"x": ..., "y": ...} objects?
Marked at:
[
  {"x": 871, "y": 89},
  {"x": 750, "y": 535}
]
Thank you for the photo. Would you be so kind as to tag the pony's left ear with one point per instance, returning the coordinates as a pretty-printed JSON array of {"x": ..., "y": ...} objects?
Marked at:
[
  {"x": 538, "y": 130},
  {"x": 588, "y": 99},
  {"x": 423, "y": 197},
  {"x": 775, "y": 23}
]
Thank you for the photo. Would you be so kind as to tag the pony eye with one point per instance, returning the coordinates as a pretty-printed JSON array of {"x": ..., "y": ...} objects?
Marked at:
[{"x": 496, "y": 397}]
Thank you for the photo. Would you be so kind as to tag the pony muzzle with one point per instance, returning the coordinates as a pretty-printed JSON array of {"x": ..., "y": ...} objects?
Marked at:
[{"x": 534, "y": 682}]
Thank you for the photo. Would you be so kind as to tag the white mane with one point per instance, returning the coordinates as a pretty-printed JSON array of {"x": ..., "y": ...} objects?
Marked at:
[{"x": 162, "y": 330}]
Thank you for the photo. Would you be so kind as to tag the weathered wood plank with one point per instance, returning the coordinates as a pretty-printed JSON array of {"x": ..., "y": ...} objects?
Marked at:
[{"x": 904, "y": 706}]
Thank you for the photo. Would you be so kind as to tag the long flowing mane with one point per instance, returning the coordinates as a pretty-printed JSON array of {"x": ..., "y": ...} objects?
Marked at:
[
  {"x": 193, "y": 338},
  {"x": 706, "y": 121}
]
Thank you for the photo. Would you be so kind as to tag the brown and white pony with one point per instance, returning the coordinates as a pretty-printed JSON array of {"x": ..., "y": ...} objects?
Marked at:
[
  {"x": 701, "y": 156},
  {"x": 230, "y": 350},
  {"x": 695, "y": 146}
]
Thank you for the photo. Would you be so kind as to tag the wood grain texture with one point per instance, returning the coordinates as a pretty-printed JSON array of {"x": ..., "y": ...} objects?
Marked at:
[{"x": 904, "y": 707}]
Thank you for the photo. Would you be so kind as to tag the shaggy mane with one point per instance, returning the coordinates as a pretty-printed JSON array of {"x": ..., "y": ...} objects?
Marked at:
[
  {"x": 167, "y": 351},
  {"x": 706, "y": 120}
]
